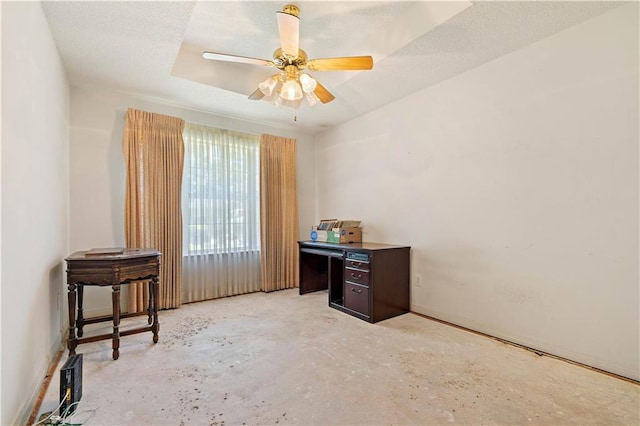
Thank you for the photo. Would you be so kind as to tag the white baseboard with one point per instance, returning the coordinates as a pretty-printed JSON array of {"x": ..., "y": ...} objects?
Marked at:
[
  {"x": 541, "y": 346},
  {"x": 22, "y": 416}
]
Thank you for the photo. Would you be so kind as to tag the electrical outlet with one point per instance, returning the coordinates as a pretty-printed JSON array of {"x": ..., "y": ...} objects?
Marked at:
[{"x": 418, "y": 280}]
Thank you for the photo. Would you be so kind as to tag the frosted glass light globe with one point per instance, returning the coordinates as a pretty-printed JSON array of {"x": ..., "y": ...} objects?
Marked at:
[
  {"x": 266, "y": 87},
  {"x": 291, "y": 90},
  {"x": 308, "y": 83}
]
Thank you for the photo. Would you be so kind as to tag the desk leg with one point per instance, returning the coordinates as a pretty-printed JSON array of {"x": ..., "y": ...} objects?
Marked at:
[
  {"x": 115, "y": 296},
  {"x": 80, "y": 319},
  {"x": 72, "y": 343},
  {"x": 156, "y": 326}
]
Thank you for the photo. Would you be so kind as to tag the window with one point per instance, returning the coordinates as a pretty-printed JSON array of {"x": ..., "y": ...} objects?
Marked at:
[{"x": 221, "y": 191}]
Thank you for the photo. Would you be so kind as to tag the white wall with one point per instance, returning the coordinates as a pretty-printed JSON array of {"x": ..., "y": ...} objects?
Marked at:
[
  {"x": 516, "y": 184},
  {"x": 98, "y": 172},
  {"x": 35, "y": 188}
]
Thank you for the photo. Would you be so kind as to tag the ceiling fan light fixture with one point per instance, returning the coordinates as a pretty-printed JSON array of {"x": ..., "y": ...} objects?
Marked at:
[
  {"x": 291, "y": 90},
  {"x": 291, "y": 87},
  {"x": 267, "y": 86},
  {"x": 308, "y": 83},
  {"x": 312, "y": 99},
  {"x": 292, "y": 104}
]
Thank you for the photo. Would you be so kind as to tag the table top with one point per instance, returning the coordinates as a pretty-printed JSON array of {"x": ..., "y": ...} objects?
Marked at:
[
  {"x": 113, "y": 254},
  {"x": 349, "y": 246}
]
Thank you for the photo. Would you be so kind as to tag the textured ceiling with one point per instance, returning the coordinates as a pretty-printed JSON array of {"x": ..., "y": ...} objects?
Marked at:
[{"x": 153, "y": 49}]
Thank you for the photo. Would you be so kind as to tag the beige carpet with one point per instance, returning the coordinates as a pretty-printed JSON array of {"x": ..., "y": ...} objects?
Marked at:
[{"x": 281, "y": 358}]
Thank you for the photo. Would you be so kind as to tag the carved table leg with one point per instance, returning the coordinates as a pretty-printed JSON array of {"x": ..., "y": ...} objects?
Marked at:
[
  {"x": 156, "y": 326},
  {"x": 150, "y": 306},
  {"x": 116, "y": 320},
  {"x": 72, "y": 343},
  {"x": 80, "y": 319}
]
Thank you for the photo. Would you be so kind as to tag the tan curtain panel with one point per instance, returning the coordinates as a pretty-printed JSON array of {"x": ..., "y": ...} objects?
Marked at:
[
  {"x": 278, "y": 213},
  {"x": 154, "y": 154}
]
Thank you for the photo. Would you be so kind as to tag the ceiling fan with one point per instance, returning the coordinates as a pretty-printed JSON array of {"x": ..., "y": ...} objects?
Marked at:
[{"x": 291, "y": 85}]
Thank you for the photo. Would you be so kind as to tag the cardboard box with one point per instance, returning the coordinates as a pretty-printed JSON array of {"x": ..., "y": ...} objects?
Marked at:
[
  {"x": 344, "y": 235},
  {"x": 318, "y": 235},
  {"x": 337, "y": 231}
]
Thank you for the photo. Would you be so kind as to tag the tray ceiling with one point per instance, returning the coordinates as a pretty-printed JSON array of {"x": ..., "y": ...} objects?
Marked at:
[{"x": 153, "y": 49}]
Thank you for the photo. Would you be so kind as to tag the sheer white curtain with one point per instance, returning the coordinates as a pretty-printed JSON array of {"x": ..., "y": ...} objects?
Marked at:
[{"x": 221, "y": 213}]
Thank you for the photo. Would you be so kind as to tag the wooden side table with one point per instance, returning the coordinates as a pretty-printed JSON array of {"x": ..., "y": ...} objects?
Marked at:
[{"x": 103, "y": 269}]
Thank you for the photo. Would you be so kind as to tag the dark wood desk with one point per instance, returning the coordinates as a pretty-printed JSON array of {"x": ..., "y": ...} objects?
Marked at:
[
  {"x": 111, "y": 270},
  {"x": 369, "y": 281}
]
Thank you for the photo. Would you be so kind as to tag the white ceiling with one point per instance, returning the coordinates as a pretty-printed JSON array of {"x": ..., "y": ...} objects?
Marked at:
[{"x": 153, "y": 48}]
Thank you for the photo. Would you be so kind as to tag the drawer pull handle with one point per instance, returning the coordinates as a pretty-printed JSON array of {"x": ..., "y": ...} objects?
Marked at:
[
  {"x": 357, "y": 263},
  {"x": 356, "y": 291},
  {"x": 357, "y": 277}
]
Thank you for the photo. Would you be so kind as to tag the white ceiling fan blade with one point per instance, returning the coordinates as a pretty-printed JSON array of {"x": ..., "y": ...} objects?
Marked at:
[
  {"x": 234, "y": 58},
  {"x": 289, "y": 28}
]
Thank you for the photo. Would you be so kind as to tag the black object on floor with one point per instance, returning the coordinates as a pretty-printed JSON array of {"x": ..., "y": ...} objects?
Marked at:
[{"x": 70, "y": 384}]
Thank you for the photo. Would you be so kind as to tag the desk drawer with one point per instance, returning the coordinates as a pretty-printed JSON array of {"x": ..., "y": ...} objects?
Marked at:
[
  {"x": 357, "y": 276},
  {"x": 356, "y": 298},
  {"x": 357, "y": 264}
]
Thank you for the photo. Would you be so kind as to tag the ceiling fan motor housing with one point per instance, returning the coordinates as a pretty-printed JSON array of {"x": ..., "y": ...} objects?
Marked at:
[{"x": 281, "y": 61}]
